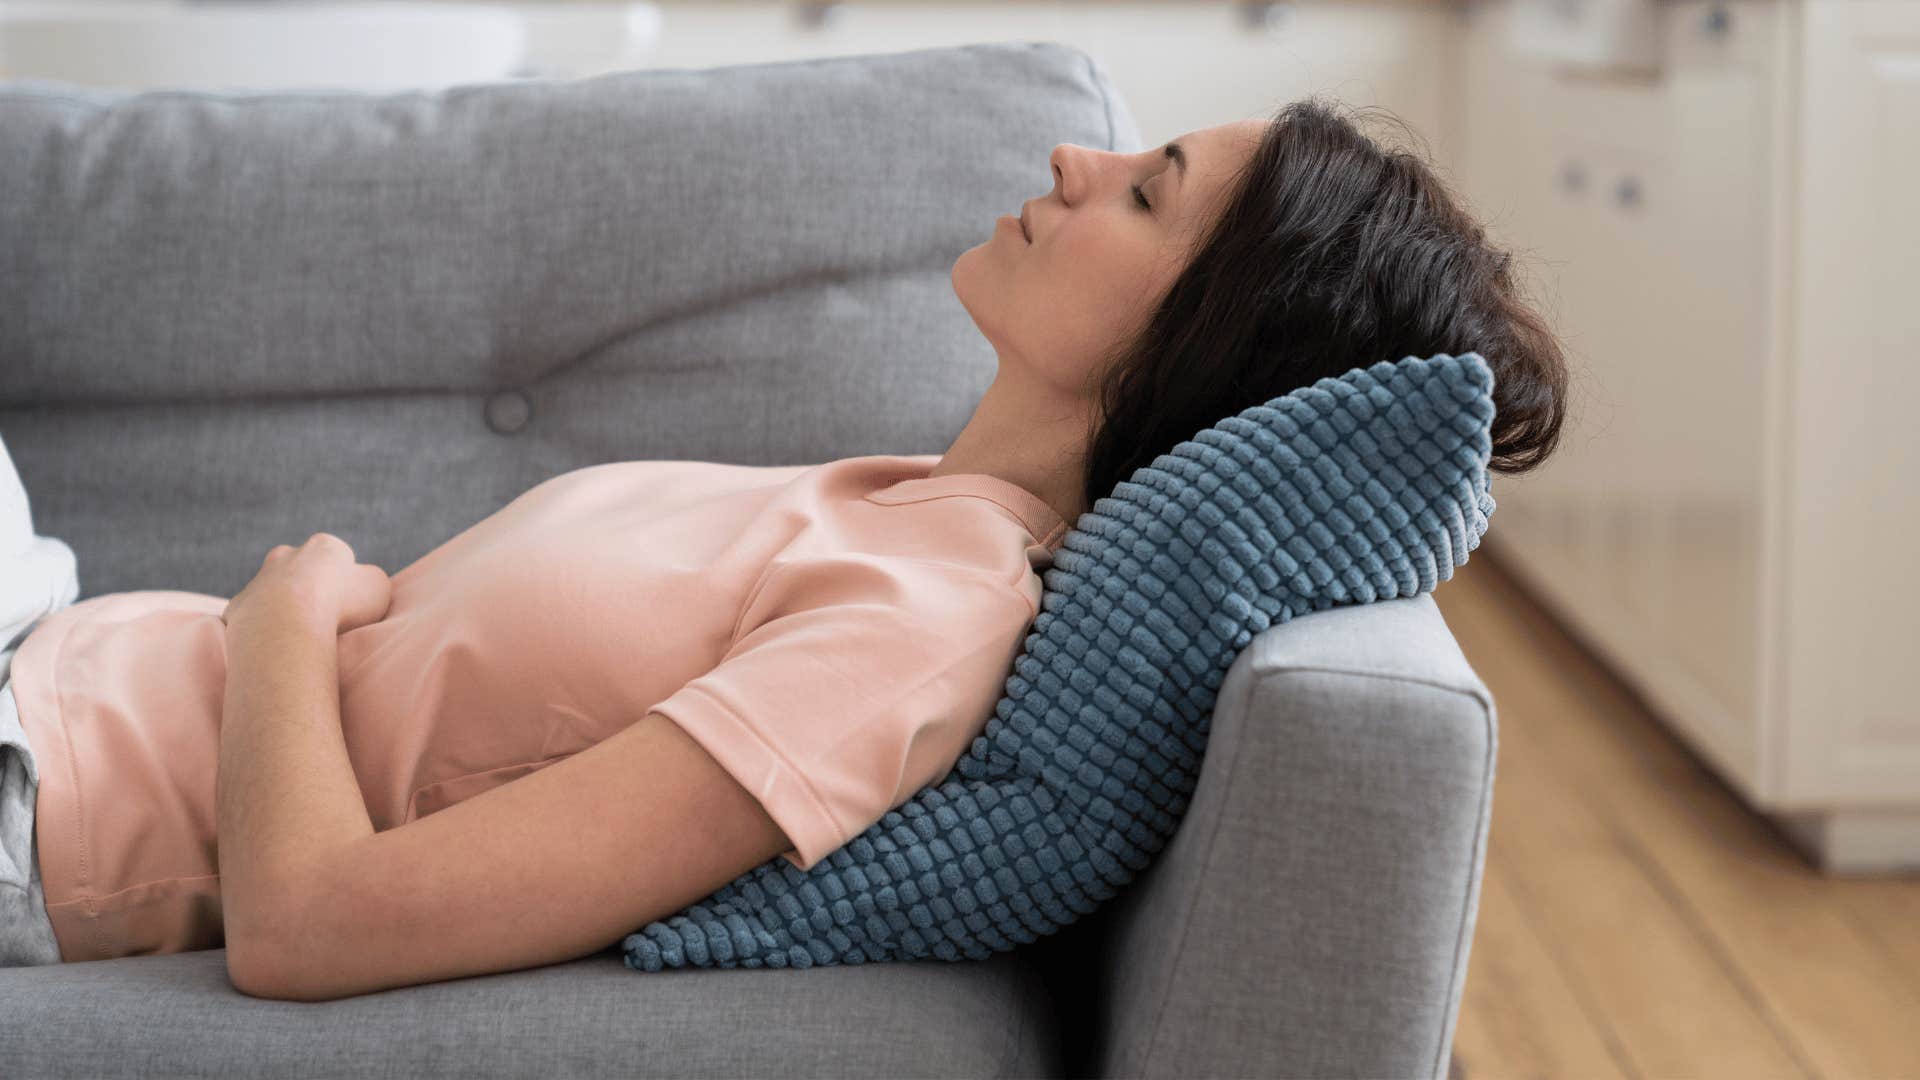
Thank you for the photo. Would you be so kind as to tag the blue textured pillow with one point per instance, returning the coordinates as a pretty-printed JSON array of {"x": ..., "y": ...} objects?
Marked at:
[{"x": 1367, "y": 487}]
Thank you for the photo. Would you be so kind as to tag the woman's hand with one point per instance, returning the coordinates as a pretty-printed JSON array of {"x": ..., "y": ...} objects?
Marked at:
[{"x": 318, "y": 581}]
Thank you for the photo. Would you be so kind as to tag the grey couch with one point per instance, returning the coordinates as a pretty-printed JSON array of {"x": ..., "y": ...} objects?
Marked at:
[{"x": 231, "y": 320}]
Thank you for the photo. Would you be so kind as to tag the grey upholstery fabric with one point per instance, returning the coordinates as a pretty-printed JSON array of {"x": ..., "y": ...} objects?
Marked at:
[
  {"x": 445, "y": 298},
  {"x": 177, "y": 1015},
  {"x": 230, "y": 320},
  {"x": 1349, "y": 773}
]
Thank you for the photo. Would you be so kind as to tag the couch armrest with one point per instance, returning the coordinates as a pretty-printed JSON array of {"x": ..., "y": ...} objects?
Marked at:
[{"x": 1313, "y": 913}]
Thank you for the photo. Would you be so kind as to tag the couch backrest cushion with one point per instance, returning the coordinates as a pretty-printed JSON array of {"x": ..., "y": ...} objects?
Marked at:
[{"x": 231, "y": 319}]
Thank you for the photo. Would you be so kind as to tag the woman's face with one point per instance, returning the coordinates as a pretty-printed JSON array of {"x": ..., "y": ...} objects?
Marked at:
[{"x": 1098, "y": 261}]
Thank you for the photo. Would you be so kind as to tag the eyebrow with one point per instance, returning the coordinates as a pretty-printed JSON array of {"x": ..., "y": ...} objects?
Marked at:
[{"x": 1179, "y": 155}]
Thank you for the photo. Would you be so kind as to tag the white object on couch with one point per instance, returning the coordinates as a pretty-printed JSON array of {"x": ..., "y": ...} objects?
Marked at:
[{"x": 41, "y": 573}]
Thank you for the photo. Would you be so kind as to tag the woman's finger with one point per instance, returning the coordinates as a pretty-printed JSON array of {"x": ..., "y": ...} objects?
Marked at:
[{"x": 369, "y": 596}]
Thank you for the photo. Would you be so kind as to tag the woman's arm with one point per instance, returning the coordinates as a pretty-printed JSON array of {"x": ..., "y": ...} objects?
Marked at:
[
  {"x": 554, "y": 866},
  {"x": 285, "y": 793}
]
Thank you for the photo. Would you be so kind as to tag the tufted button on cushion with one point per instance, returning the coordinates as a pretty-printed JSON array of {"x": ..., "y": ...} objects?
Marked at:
[{"x": 508, "y": 411}]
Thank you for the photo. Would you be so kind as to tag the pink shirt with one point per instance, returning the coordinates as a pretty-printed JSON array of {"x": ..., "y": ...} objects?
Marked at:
[{"x": 835, "y": 635}]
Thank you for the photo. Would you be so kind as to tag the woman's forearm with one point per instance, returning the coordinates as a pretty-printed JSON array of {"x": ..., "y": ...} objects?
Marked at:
[{"x": 285, "y": 793}]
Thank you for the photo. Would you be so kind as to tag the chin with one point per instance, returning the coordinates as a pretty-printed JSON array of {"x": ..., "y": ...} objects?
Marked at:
[{"x": 959, "y": 277}]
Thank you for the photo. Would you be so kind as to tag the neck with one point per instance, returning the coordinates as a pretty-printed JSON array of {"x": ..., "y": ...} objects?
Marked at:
[{"x": 1028, "y": 435}]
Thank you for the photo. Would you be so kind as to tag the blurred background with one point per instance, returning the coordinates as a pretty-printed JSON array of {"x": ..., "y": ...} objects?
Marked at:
[{"x": 1696, "y": 619}]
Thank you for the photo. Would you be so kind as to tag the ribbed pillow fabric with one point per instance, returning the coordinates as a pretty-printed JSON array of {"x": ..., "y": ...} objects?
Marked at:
[{"x": 1370, "y": 486}]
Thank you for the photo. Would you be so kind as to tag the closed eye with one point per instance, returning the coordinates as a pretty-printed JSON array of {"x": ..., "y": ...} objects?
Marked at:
[{"x": 1141, "y": 198}]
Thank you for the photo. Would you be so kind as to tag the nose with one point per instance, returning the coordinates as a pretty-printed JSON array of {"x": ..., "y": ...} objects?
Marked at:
[
  {"x": 1077, "y": 169},
  {"x": 1066, "y": 170}
]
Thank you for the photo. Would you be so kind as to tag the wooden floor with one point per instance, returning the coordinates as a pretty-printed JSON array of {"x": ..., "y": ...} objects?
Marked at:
[{"x": 1636, "y": 918}]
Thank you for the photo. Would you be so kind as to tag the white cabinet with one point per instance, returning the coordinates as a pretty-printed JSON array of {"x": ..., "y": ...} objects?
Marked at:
[
  {"x": 1853, "y": 615},
  {"x": 147, "y": 44},
  {"x": 1731, "y": 250},
  {"x": 1180, "y": 66}
]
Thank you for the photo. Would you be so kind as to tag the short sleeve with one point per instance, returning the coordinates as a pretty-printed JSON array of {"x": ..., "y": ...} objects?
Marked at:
[{"x": 854, "y": 681}]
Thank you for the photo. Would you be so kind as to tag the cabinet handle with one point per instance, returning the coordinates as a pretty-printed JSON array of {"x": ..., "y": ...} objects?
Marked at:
[
  {"x": 1573, "y": 176},
  {"x": 1717, "y": 22},
  {"x": 1626, "y": 191},
  {"x": 818, "y": 16},
  {"x": 1271, "y": 16}
]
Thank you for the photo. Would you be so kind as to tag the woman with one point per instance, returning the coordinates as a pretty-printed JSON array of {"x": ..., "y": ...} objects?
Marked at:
[{"x": 820, "y": 642}]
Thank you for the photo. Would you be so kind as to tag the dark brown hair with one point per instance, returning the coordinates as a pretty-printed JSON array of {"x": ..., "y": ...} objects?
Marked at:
[{"x": 1330, "y": 253}]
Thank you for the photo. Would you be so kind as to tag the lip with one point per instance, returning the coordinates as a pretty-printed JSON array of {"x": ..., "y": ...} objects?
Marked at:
[
  {"x": 1009, "y": 219},
  {"x": 1025, "y": 229}
]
